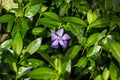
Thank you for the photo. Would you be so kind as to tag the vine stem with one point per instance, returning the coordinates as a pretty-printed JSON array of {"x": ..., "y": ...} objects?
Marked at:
[{"x": 83, "y": 50}]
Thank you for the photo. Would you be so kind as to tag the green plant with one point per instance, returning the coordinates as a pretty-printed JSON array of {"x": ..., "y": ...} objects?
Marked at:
[{"x": 92, "y": 53}]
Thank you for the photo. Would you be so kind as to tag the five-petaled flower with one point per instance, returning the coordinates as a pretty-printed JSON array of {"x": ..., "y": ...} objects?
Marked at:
[{"x": 59, "y": 38}]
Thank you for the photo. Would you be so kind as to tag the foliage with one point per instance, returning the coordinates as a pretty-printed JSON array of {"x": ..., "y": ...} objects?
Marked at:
[{"x": 92, "y": 53}]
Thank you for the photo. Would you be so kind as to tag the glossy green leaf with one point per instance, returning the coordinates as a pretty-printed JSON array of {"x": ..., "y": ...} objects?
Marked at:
[
  {"x": 32, "y": 10},
  {"x": 72, "y": 52},
  {"x": 99, "y": 23},
  {"x": 6, "y": 44},
  {"x": 92, "y": 16},
  {"x": 34, "y": 2},
  {"x": 10, "y": 26},
  {"x": 14, "y": 67},
  {"x": 9, "y": 57},
  {"x": 43, "y": 47},
  {"x": 113, "y": 71},
  {"x": 34, "y": 46},
  {"x": 23, "y": 71},
  {"x": 98, "y": 77},
  {"x": 78, "y": 32},
  {"x": 6, "y": 18},
  {"x": 58, "y": 2},
  {"x": 66, "y": 66},
  {"x": 35, "y": 62},
  {"x": 95, "y": 38},
  {"x": 105, "y": 74},
  {"x": 93, "y": 51},
  {"x": 17, "y": 44},
  {"x": 75, "y": 20},
  {"x": 63, "y": 9},
  {"x": 42, "y": 73},
  {"x": 57, "y": 63},
  {"x": 115, "y": 48},
  {"x": 52, "y": 16},
  {"x": 37, "y": 30},
  {"x": 21, "y": 25},
  {"x": 9, "y": 4},
  {"x": 49, "y": 22},
  {"x": 43, "y": 9},
  {"x": 82, "y": 62}
]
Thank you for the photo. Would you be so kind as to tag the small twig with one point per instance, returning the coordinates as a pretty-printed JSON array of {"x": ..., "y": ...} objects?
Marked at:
[{"x": 4, "y": 36}]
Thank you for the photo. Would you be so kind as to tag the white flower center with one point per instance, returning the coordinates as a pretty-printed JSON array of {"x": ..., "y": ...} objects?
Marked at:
[{"x": 59, "y": 38}]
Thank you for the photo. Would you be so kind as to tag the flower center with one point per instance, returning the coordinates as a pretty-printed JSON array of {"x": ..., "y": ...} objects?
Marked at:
[{"x": 59, "y": 38}]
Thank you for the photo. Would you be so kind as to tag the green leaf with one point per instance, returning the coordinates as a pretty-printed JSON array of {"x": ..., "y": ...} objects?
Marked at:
[
  {"x": 34, "y": 2},
  {"x": 116, "y": 4},
  {"x": 52, "y": 16},
  {"x": 105, "y": 74},
  {"x": 99, "y": 23},
  {"x": 75, "y": 20},
  {"x": 43, "y": 9},
  {"x": 23, "y": 71},
  {"x": 14, "y": 67},
  {"x": 9, "y": 4},
  {"x": 6, "y": 44},
  {"x": 34, "y": 46},
  {"x": 113, "y": 71},
  {"x": 115, "y": 48},
  {"x": 35, "y": 62},
  {"x": 49, "y": 22},
  {"x": 93, "y": 51},
  {"x": 17, "y": 43},
  {"x": 66, "y": 66},
  {"x": 6, "y": 18},
  {"x": 9, "y": 57},
  {"x": 78, "y": 32},
  {"x": 98, "y": 77},
  {"x": 9, "y": 26},
  {"x": 108, "y": 5},
  {"x": 47, "y": 58},
  {"x": 82, "y": 62},
  {"x": 43, "y": 47},
  {"x": 32, "y": 10},
  {"x": 63, "y": 9},
  {"x": 21, "y": 25},
  {"x": 57, "y": 63},
  {"x": 92, "y": 63},
  {"x": 92, "y": 16},
  {"x": 37, "y": 30},
  {"x": 95, "y": 38},
  {"x": 58, "y": 2},
  {"x": 72, "y": 52},
  {"x": 100, "y": 5},
  {"x": 42, "y": 73},
  {"x": 18, "y": 1}
]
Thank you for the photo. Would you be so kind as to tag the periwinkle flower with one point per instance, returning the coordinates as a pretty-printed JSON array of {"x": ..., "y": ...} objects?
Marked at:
[{"x": 59, "y": 38}]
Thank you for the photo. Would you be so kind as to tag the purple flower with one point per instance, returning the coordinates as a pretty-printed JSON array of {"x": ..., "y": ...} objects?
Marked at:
[{"x": 59, "y": 38}]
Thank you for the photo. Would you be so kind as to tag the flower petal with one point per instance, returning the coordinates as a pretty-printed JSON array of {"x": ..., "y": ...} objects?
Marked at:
[
  {"x": 66, "y": 37},
  {"x": 53, "y": 37},
  {"x": 63, "y": 44},
  {"x": 60, "y": 32},
  {"x": 54, "y": 44}
]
